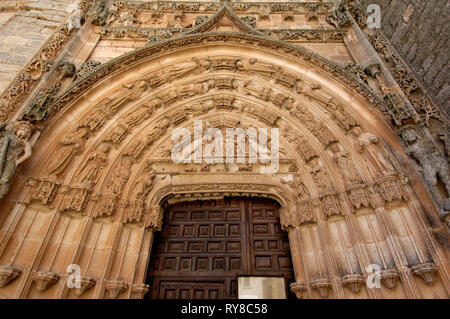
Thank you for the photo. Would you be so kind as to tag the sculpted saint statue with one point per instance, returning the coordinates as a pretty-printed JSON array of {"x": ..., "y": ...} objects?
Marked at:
[
  {"x": 297, "y": 186},
  {"x": 128, "y": 93},
  {"x": 195, "y": 66},
  {"x": 69, "y": 147},
  {"x": 196, "y": 88},
  {"x": 255, "y": 66},
  {"x": 378, "y": 164},
  {"x": 144, "y": 185},
  {"x": 320, "y": 176},
  {"x": 345, "y": 164},
  {"x": 120, "y": 177},
  {"x": 96, "y": 161},
  {"x": 433, "y": 164},
  {"x": 158, "y": 131},
  {"x": 15, "y": 148},
  {"x": 303, "y": 115}
]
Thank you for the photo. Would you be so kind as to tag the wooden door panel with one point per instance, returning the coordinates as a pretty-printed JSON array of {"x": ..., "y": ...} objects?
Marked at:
[{"x": 203, "y": 246}]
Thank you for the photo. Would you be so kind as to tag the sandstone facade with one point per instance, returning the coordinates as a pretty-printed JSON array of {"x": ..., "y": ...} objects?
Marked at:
[{"x": 86, "y": 146}]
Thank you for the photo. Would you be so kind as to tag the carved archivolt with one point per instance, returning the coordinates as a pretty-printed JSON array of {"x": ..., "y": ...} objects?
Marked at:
[{"x": 104, "y": 161}]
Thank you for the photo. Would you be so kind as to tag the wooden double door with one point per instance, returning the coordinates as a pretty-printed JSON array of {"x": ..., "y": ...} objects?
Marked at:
[{"x": 205, "y": 246}]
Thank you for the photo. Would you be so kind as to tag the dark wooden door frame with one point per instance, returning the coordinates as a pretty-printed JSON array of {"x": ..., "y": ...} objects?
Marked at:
[{"x": 210, "y": 227}]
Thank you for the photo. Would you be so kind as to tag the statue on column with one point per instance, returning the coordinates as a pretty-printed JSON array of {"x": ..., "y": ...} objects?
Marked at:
[
  {"x": 69, "y": 147},
  {"x": 433, "y": 164},
  {"x": 144, "y": 185},
  {"x": 15, "y": 148},
  {"x": 91, "y": 169},
  {"x": 377, "y": 163},
  {"x": 345, "y": 164}
]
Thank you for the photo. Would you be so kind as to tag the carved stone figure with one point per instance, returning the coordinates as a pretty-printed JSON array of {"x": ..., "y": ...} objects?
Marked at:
[
  {"x": 97, "y": 117},
  {"x": 303, "y": 115},
  {"x": 257, "y": 67},
  {"x": 69, "y": 147},
  {"x": 377, "y": 163},
  {"x": 178, "y": 21},
  {"x": 433, "y": 164},
  {"x": 94, "y": 164},
  {"x": 196, "y": 66},
  {"x": 158, "y": 131},
  {"x": 139, "y": 115},
  {"x": 144, "y": 185},
  {"x": 128, "y": 19},
  {"x": 297, "y": 186},
  {"x": 129, "y": 93},
  {"x": 345, "y": 164},
  {"x": 320, "y": 176},
  {"x": 343, "y": 119},
  {"x": 196, "y": 88},
  {"x": 15, "y": 148},
  {"x": 120, "y": 176},
  {"x": 324, "y": 134},
  {"x": 260, "y": 92}
]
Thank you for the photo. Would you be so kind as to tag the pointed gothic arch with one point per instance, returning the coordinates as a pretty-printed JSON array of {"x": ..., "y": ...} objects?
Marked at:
[{"x": 100, "y": 166}]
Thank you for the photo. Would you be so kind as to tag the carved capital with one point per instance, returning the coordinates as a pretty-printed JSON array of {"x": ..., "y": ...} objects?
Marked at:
[
  {"x": 322, "y": 285},
  {"x": 300, "y": 289},
  {"x": 45, "y": 279},
  {"x": 138, "y": 291},
  {"x": 425, "y": 271},
  {"x": 85, "y": 283},
  {"x": 115, "y": 287},
  {"x": 354, "y": 282},
  {"x": 8, "y": 274},
  {"x": 389, "y": 278}
]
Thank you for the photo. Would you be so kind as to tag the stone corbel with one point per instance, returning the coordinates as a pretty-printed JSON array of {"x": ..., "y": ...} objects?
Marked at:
[
  {"x": 8, "y": 274},
  {"x": 322, "y": 285},
  {"x": 85, "y": 283},
  {"x": 138, "y": 291},
  {"x": 389, "y": 278},
  {"x": 154, "y": 218},
  {"x": 354, "y": 282},
  {"x": 426, "y": 272},
  {"x": 300, "y": 290},
  {"x": 45, "y": 279},
  {"x": 115, "y": 287}
]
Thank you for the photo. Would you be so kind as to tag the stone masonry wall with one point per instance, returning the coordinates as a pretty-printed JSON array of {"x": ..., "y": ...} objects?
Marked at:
[
  {"x": 420, "y": 32},
  {"x": 24, "y": 28}
]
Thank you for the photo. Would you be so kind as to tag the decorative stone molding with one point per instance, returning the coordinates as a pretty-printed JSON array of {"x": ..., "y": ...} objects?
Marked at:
[
  {"x": 138, "y": 291},
  {"x": 390, "y": 188},
  {"x": 444, "y": 213},
  {"x": 115, "y": 287},
  {"x": 45, "y": 279},
  {"x": 320, "y": 8},
  {"x": 322, "y": 285},
  {"x": 86, "y": 283},
  {"x": 354, "y": 282},
  {"x": 42, "y": 189},
  {"x": 83, "y": 84},
  {"x": 426, "y": 272},
  {"x": 41, "y": 64},
  {"x": 87, "y": 67},
  {"x": 300, "y": 289},
  {"x": 389, "y": 278},
  {"x": 8, "y": 274}
]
